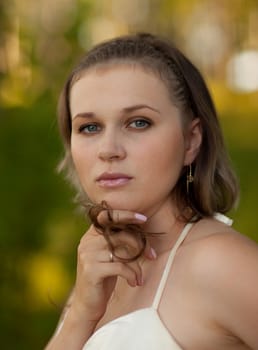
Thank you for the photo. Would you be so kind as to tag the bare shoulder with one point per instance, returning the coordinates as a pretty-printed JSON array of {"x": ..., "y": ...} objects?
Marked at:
[
  {"x": 220, "y": 249},
  {"x": 224, "y": 265}
]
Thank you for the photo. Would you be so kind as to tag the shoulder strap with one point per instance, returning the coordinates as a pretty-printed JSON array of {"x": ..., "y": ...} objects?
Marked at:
[{"x": 166, "y": 271}]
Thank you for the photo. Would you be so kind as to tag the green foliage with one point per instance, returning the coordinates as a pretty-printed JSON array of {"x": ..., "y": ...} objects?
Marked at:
[
  {"x": 34, "y": 199},
  {"x": 39, "y": 227}
]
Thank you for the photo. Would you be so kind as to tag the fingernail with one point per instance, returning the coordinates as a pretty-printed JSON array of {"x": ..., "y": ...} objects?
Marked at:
[
  {"x": 153, "y": 253},
  {"x": 140, "y": 217},
  {"x": 133, "y": 283},
  {"x": 140, "y": 281}
]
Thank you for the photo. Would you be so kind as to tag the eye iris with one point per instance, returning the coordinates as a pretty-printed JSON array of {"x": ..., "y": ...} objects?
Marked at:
[
  {"x": 140, "y": 123},
  {"x": 91, "y": 128}
]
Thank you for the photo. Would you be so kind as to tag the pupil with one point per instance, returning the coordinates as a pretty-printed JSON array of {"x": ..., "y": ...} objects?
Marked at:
[{"x": 140, "y": 123}]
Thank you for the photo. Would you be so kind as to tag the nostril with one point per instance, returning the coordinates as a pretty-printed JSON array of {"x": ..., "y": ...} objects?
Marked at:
[{"x": 115, "y": 153}]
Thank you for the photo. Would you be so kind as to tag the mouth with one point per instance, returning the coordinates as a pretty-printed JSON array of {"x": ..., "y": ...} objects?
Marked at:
[{"x": 113, "y": 179}]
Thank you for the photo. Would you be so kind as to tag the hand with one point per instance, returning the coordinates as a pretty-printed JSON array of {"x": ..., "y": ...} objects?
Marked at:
[{"x": 97, "y": 274}]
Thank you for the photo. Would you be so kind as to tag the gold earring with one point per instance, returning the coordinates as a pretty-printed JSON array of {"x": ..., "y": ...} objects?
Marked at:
[{"x": 189, "y": 177}]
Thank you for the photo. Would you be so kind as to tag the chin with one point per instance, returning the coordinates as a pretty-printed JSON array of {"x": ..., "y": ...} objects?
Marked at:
[{"x": 119, "y": 202}]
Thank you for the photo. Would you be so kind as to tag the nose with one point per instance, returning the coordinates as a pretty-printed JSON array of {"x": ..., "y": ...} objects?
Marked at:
[{"x": 111, "y": 147}]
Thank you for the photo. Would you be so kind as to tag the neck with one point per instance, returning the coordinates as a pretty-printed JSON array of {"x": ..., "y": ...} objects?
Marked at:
[{"x": 165, "y": 221}]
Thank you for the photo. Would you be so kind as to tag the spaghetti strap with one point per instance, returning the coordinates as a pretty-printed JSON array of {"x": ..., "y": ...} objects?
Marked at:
[{"x": 166, "y": 271}]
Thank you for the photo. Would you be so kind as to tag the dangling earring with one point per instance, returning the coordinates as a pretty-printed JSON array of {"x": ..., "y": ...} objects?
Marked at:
[{"x": 189, "y": 177}]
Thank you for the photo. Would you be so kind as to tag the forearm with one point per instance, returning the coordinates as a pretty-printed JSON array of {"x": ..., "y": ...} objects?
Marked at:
[{"x": 73, "y": 333}]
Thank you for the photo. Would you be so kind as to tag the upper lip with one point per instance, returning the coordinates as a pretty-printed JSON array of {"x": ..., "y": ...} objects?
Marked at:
[{"x": 112, "y": 176}]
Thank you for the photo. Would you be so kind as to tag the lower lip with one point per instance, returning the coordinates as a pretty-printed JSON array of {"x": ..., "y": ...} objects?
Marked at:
[{"x": 114, "y": 182}]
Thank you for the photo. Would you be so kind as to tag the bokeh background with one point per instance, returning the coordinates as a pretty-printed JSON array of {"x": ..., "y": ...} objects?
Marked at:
[{"x": 39, "y": 42}]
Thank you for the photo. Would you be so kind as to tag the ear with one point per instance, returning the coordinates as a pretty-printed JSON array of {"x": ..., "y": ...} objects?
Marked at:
[{"x": 193, "y": 140}]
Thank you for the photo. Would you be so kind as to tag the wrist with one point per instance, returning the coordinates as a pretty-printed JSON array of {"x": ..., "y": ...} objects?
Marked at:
[{"x": 78, "y": 315}]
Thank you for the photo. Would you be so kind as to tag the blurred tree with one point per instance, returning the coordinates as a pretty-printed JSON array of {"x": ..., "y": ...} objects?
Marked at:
[{"x": 39, "y": 41}]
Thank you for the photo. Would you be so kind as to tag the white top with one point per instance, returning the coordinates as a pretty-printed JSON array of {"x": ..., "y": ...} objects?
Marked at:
[{"x": 143, "y": 328}]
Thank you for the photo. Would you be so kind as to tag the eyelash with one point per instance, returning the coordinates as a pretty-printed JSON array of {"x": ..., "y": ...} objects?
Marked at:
[
  {"x": 84, "y": 128},
  {"x": 141, "y": 120}
]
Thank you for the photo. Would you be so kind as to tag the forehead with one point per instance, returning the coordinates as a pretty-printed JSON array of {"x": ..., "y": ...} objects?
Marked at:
[
  {"x": 116, "y": 70},
  {"x": 118, "y": 85}
]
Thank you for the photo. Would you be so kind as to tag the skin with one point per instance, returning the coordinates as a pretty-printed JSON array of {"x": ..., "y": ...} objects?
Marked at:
[
  {"x": 208, "y": 302},
  {"x": 120, "y": 145}
]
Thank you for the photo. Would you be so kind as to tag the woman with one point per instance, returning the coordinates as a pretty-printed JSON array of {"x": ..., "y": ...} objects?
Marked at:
[{"x": 144, "y": 144}]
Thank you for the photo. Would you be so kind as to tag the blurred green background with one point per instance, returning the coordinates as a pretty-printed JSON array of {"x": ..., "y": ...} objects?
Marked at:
[{"x": 39, "y": 42}]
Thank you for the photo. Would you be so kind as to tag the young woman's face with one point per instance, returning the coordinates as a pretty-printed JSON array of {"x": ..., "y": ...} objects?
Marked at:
[{"x": 127, "y": 140}]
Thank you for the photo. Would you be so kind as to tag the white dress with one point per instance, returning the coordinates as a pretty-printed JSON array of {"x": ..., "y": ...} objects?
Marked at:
[{"x": 143, "y": 328}]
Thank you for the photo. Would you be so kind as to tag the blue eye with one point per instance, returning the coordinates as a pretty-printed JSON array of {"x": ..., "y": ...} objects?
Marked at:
[
  {"x": 89, "y": 129},
  {"x": 140, "y": 124}
]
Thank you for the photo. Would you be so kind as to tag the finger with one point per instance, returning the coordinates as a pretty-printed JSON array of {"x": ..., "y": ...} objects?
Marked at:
[
  {"x": 108, "y": 257},
  {"x": 119, "y": 269},
  {"x": 98, "y": 253},
  {"x": 92, "y": 239},
  {"x": 124, "y": 239},
  {"x": 120, "y": 217},
  {"x": 135, "y": 266},
  {"x": 127, "y": 246}
]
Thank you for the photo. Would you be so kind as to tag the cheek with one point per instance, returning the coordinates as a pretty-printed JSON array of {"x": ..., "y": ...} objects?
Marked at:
[
  {"x": 81, "y": 159},
  {"x": 76, "y": 154},
  {"x": 164, "y": 154},
  {"x": 160, "y": 165}
]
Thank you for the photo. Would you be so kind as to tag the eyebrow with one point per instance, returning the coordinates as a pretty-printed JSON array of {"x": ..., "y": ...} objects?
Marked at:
[
  {"x": 139, "y": 106},
  {"x": 124, "y": 110}
]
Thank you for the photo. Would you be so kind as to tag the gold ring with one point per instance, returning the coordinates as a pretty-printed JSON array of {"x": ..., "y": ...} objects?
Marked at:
[{"x": 111, "y": 257}]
